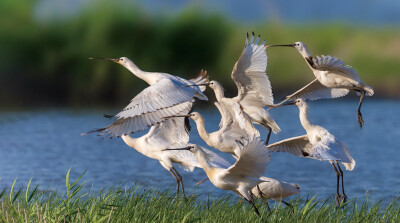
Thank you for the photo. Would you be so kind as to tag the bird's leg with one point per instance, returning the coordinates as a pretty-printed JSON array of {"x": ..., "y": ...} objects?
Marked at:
[
  {"x": 341, "y": 174},
  {"x": 180, "y": 180},
  {"x": 337, "y": 185},
  {"x": 359, "y": 115},
  {"x": 253, "y": 205},
  {"x": 262, "y": 198},
  {"x": 269, "y": 135},
  {"x": 287, "y": 204},
  {"x": 177, "y": 181}
]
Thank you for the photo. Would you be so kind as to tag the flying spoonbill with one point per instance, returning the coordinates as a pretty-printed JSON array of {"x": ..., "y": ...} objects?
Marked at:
[
  {"x": 224, "y": 139},
  {"x": 170, "y": 134},
  {"x": 318, "y": 144},
  {"x": 166, "y": 96},
  {"x": 242, "y": 176},
  {"x": 254, "y": 87},
  {"x": 275, "y": 190},
  {"x": 333, "y": 79}
]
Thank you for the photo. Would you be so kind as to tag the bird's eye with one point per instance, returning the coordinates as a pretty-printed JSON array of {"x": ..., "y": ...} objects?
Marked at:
[
  {"x": 122, "y": 59},
  {"x": 211, "y": 83}
]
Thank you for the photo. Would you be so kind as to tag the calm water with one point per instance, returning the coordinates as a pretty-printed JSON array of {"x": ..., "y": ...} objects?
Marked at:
[{"x": 43, "y": 145}]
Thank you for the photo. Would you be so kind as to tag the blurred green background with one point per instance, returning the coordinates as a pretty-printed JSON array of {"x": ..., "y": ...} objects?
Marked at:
[{"x": 44, "y": 57}]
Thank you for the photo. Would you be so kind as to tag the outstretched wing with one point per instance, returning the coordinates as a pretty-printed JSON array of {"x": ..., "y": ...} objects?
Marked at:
[
  {"x": 330, "y": 63},
  {"x": 253, "y": 160},
  {"x": 254, "y": 87},
  {"x": 298, "y": 146},
  {"x": 330, "y": 148},
  {"x": 315, "y": 91},
  {"x": 172, "y": 131},
  {"x": 165, "y": 98}
]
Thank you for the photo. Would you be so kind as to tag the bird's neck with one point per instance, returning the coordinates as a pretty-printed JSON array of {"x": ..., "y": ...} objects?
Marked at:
[
  {"x": 219, "y": 93},
  {"x": 131, "y": 142},
  {"x": 201, "y": 157},
  {"x": 139, "y": 73},
  {"x": 200, "y": 124},
  {"x": 305, "y": 122}
]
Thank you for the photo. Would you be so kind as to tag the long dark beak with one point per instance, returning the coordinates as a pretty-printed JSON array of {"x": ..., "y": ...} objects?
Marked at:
[
  {"x": 290, "y": 45},
  {"x": 205, "y": 84},
  {"x": 276, "y": 106},
  {"x": 176, "y": 116},
  {"x": 110, "y": 59},
  {"x": 184, "y": 148}
]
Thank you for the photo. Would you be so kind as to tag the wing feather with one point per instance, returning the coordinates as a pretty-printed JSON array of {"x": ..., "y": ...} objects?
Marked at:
[
  {"x": 165, "y": 98},
  {"x": 254, "y": 87},
  {"x": 330, "y": 63},
  {"x": 298, "y": 146},
  {"x": 253, "y": 160},
  {"x": 315, "y": 91}
]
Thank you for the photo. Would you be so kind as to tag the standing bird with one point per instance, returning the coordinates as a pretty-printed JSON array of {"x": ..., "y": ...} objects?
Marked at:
[
  {"x": 254, "y": 87},
  {"x": 242, "y": 176},
  {"x": 224, "y": 139},
  {"x": 167, "y": 95},
  {"x": 318, "y": 144},
  {"x": 333, "y": 79},
  {"x": 170, "y": 134},
  {"x": 275, "y": 190}
]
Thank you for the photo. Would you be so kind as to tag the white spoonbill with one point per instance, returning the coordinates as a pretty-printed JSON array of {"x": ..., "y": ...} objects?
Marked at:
[
  {"x": 254, "y": 87},
  {"x": 224, "y": 139},
  {"x": 170, "y": 134},
  {"x": 318, "y": 144},
  {"x": 333, "y": 79},
  {"x": 165, "y": 96},
  {"x": 242, "y": 176},
  {"x": 275, "y": 190}
]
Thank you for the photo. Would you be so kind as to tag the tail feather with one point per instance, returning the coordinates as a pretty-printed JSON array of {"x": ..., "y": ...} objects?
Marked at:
[
  {"x": 201, "y": 78},
  {"x": 350, "y": 166},
  {"x": 369, "y": 90}
]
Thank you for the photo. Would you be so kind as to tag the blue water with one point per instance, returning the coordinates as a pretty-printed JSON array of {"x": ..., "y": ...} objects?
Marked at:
[{"x": 44, "y": 144}]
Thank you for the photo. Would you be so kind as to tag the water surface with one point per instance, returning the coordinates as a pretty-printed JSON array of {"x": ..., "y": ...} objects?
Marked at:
[{"x": 43, "y": 145}]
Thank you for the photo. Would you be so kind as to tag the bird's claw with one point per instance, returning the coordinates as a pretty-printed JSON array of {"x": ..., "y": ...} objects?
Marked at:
[{"x": 360, "y": 119}]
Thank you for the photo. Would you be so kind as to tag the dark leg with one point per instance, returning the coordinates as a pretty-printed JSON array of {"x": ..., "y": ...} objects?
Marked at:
[
  {"x": 337, "y": 185},
  {"x": 180, "y": 180},
  {"x": 253, "y": 205},
  {"x": 341, "y": 174},
  {"x": 359, "y": 115},
  {"x": 269, "y": 135},
  {"x": 289, "y": 205},
  {"x": 262, "y": 198},
  {"x": 177, "y": 181},
  {"x": 201, "y": 182}
]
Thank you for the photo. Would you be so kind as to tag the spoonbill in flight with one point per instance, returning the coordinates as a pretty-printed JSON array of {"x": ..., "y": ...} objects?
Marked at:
[
  {"x": 170, "y": 134},
  {"x": 254, "y": 87},
  {"x": 318, "y": 144},
  {"x": 242, "y": 176},
  {"x": 230, "y": 130},
  {"x": 166, "y": 96},
  {"x": 333, "y": 79},
  {"x": 275, "y": 190}
]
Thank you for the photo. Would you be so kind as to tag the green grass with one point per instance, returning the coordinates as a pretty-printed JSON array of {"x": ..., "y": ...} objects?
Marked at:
[{"x": 140, "y": 205}]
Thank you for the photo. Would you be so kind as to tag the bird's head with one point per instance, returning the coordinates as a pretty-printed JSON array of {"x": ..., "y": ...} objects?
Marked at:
[
  {"x": 215, "y": 85},
  {"x": 300, "y": 46},
  {"x": 191, "y": 147},
  {"x": 124, "y": 61},
  {"x": 194, "y": 116},
  {"x": 298, "y": 102}
]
